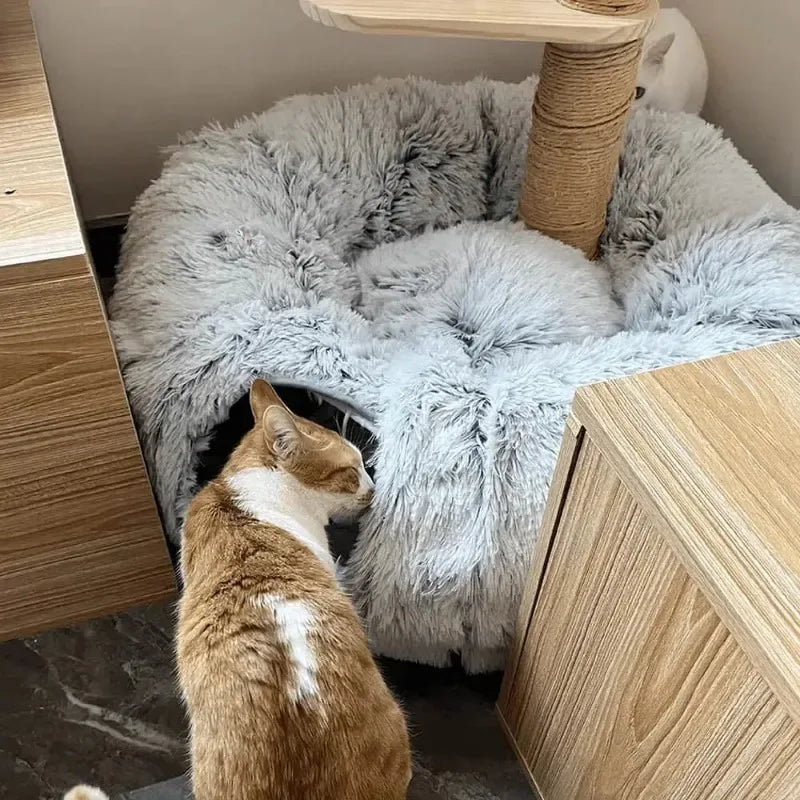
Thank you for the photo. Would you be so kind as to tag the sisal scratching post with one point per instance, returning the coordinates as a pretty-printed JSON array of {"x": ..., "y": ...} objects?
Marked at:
[{"x": 579, "y": 114}]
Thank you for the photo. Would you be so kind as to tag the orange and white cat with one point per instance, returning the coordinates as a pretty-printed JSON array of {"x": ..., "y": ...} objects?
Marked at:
[{"x": 284, "y": 699}]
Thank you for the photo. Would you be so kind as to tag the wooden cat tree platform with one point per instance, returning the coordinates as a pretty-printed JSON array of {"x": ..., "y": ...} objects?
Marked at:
[{"x": 585, "y": 90}]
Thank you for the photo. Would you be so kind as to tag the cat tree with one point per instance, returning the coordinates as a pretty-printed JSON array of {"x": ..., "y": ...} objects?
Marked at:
[{"x": 585, "y": 90}]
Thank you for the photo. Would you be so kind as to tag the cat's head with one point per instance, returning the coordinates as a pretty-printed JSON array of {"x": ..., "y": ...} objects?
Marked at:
[
  {"x": 650, "y": 82},
  {"x": 327, "y": 465},
  {"x": 673, "y": 73}
]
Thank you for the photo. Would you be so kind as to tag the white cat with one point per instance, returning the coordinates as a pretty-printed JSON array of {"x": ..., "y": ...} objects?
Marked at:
[{"x": 674, "y": 72}]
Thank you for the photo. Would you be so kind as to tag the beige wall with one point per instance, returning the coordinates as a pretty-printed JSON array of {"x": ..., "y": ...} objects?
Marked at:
[
  {"x": 128, "y": 75},
  {"x": 753, "y": 49}
]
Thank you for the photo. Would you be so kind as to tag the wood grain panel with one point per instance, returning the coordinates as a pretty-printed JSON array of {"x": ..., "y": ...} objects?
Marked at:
[
  {"x": 523, "y": 20},
  {"x": 635, "y": 690},
  {"x": 37, "y": 213},
  {"x": 559, "y": 488},
  {"x": 40, "y": 271},
  {"x": 711, "y": 450},
  {"x": 79, "y": 532}
]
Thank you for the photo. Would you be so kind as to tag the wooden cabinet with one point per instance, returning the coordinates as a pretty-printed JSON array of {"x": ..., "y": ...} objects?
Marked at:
[
  {"x": 657, "y": 654},
  {"x": 79, "y": 531}
]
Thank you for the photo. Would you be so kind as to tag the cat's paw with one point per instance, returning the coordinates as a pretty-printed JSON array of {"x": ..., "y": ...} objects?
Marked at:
[{"x": 85, "y": 793}]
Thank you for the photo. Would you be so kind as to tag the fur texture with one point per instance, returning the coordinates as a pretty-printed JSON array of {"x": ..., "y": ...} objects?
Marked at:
[
  {"x": 673, "y": 75},
  {"x": 84, "y": 792},
  {"x": 461, "y": 349},
  {"x": 283, "y": 696}
]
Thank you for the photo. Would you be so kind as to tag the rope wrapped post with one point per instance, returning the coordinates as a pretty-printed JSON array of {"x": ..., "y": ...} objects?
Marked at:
[{"x": 585, "y": 93}]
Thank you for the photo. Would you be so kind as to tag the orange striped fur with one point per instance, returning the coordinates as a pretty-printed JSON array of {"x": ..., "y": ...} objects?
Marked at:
[{"x": 284, "y": 699}]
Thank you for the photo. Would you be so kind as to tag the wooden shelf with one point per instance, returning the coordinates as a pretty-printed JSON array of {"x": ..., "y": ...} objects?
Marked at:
[
  {"x": 711, "y": 450},
  {"x": 520, "y": 20},
  {"x": 37, "y": 213},
  {"x": 79, "y": 530},
  {"x": 657, "y": 652}
]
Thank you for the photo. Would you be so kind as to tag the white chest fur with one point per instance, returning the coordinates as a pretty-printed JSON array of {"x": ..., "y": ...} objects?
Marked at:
[{"x": 278, "y": 499}]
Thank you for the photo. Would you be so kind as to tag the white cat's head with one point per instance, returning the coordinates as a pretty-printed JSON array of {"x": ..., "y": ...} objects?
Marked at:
[{"x": 673, "y": 75}]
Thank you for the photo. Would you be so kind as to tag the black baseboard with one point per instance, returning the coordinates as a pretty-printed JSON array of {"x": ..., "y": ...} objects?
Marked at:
[{"x": 104, "y": 245}]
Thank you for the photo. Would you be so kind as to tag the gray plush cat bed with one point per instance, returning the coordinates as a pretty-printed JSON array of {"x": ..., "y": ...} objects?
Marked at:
[{"x": 315, "y": 245}]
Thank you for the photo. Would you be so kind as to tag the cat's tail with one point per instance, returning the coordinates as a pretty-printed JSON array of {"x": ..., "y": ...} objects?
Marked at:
[{"x": 84, "y": 792}]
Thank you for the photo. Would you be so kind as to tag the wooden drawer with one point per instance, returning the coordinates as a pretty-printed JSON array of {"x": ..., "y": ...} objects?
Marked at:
[
  {"x": 79, "y": 532},
  {"x": 657, "y": 654}
]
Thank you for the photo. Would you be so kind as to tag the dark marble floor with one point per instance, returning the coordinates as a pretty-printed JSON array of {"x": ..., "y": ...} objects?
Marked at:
[
  {"x": 97, "y": 703},
  {"x": 92, "y": 702}
]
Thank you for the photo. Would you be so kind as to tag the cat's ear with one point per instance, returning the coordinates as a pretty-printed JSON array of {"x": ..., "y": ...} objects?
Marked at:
[
  {"x": 281, "y": 433},
  {"x": 655, "y": 53},
  {"x": 262, "y": 396}
]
